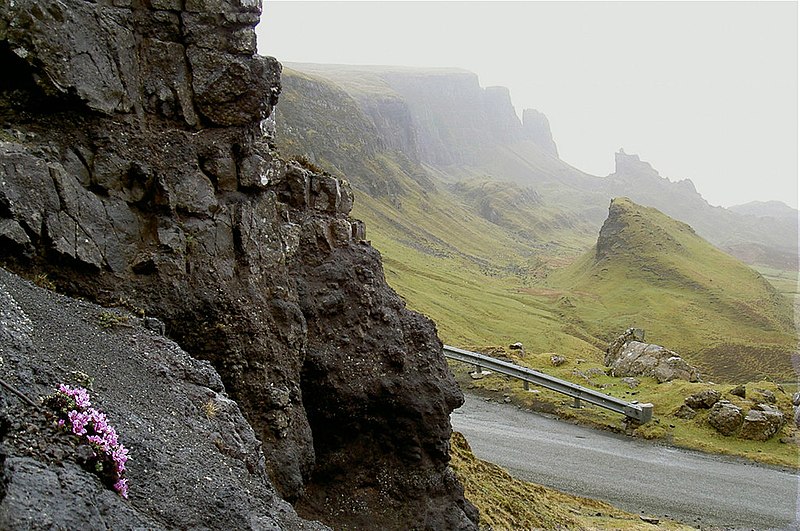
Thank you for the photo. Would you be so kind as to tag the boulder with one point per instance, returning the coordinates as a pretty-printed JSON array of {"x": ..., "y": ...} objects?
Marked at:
[
  {"x": 703, "y": 399},
  {"x": 740, "y": 391},
  {"x": 627, "y": 356},
  {"x": 685, "y": 412},
  {"x": 725, "y": 417},
  {"x": 616, "y": 346},
  {"x": 761, "y": 423},
  {"x": 557, "y": 360}
]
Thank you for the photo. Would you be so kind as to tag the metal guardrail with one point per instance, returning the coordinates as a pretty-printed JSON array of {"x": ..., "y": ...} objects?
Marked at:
[{"x": 640, "y": 412}]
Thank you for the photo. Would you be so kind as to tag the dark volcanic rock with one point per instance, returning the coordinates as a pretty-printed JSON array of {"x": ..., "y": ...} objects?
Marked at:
[
  {"x": 136, "y": 168},
  {"x": 372, "y": 377}
]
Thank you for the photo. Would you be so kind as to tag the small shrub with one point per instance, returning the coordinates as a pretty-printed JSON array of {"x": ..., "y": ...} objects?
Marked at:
[
  {"x": 76, "y": 415},
  {"x": 305, "y": 162},
  {"x": 43, "y": 281},
  {"x": 110, "y": 320},
  {"x": 210, "y": 409}
]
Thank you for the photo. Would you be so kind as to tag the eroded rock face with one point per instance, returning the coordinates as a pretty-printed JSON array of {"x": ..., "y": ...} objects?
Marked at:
[
  {"x": 136, "y": 167},
  {"x": 628, "y": 356}
]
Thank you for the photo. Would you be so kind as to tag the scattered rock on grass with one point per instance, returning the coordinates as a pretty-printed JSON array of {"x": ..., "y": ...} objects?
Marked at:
[
  {"x": 768, "y": 395},
  {"x": 557, "y": 360},
  {"x": 740, "y": 391},
  {"x": 703, "y": 399},
  {"x": 685, "y": 412},
  {"x": 630, "y": 382},
  {"x": 725, "y": 417}
]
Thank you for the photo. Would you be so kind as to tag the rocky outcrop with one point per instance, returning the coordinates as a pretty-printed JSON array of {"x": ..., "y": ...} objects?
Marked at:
[
  {"x": 628, "y": 355},
  {"x": 537, "y": 128},
  {"x": 752, "y": 238},
  {"x": 759, "y": 424},
  {"x": 137, "y": 168}
]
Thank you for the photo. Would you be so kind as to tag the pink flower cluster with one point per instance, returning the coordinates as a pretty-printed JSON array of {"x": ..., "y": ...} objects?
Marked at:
[{"x": 77, "y": 415}]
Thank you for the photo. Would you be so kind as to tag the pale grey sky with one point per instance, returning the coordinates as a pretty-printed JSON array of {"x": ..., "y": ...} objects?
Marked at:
[{"x": 701, "y": 90}]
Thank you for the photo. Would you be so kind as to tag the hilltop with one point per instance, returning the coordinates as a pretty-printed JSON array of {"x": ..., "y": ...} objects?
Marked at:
[{"x": 651, "y": 271}]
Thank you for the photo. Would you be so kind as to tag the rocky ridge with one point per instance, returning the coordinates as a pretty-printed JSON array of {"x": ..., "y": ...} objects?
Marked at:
[{"x": 138, "y": 169}]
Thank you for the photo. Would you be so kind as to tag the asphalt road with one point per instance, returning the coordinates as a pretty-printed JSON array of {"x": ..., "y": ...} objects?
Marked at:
[{"x": 634, "y": 475}]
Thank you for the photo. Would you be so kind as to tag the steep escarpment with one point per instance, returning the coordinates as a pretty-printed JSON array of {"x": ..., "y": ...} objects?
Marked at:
[
  {"x": 444, "y": 119},
  {"x": 138, "y": 169}
]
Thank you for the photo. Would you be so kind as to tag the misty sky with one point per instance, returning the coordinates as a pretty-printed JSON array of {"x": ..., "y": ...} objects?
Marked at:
[{"x": 701, "y": 90}]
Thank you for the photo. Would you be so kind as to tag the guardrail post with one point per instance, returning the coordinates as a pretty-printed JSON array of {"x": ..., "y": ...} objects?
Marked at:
[
  {"x": 577, "y": 403},
  {"x": 526, "y": 384}
]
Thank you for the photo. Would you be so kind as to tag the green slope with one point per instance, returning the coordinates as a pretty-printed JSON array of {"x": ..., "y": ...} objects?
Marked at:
[
  {"x": 651, "y": 271},
  {"x": 474, "y": 251}
]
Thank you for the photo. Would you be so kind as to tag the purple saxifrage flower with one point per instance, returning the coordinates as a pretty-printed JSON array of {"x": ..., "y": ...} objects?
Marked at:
[{"x": 91, "y": 426}]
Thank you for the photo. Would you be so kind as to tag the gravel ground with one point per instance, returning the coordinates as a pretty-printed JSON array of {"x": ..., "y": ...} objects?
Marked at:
[{"x": 195, "y": 462}]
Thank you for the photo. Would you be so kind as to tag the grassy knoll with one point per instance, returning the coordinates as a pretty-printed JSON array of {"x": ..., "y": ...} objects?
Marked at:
[{"x": 650, "y": 271}]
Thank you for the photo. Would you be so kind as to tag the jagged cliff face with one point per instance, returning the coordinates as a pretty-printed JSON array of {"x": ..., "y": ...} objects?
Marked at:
[
  {"x": 137, "y": 168},
  {"x": 537, "y": 128}
]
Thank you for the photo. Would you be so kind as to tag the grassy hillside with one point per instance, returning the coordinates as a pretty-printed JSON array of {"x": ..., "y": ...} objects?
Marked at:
[
  {"x": 650, "y": 271},
  {"x": 473, "y": 252}
]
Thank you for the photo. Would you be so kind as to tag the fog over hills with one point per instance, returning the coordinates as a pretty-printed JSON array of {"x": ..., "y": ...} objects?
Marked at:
[{"x": 444, "y": 121}]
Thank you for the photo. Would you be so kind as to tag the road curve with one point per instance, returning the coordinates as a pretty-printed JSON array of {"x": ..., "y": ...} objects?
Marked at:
[{"x": 640, "y": 477}]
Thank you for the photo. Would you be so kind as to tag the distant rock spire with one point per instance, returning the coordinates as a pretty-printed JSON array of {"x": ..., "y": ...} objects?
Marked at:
[
  {"x": 631, "y": 165},
  {"x": 536, "y": 127}
]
